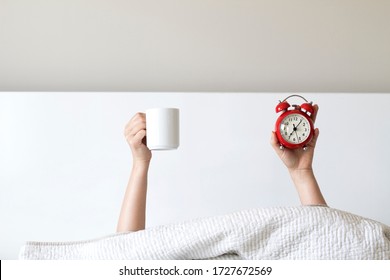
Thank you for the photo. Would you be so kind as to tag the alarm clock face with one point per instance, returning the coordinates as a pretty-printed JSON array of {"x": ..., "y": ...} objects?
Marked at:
[{"x": 295, "y": 128}]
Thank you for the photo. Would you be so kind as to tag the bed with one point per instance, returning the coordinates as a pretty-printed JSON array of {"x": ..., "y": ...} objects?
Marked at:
[{"x": 287, "y": 233}]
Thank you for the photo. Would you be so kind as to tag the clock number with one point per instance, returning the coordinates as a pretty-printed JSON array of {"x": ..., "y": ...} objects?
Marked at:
[{"x": 295, "y": 129}]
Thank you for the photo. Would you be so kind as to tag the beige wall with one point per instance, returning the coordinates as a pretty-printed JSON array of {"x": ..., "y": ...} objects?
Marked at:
[{"x": 198, "y": 45}]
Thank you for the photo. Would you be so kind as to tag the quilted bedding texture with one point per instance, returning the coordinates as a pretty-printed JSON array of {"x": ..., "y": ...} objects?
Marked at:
[{"x": 292, "y": 233}]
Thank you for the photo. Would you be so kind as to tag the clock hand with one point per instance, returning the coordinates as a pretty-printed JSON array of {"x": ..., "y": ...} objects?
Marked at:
[
  {"x": 298, "y": 124},
  {"x": 292, "y": 132},
  {"x": 296, "y": 135},
  {"x": 295, "y": 130}
]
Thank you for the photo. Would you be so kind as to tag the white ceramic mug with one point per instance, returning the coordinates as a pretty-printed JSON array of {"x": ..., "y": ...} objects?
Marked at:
[{"x": 162, "y": 128}]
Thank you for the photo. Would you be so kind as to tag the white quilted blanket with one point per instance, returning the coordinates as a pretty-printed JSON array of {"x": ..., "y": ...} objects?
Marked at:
[{"x": 303, "y": 232}]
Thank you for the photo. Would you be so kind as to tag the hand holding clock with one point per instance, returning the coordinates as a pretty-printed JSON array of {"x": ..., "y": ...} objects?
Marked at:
[
  {"x": 299, "y": 164},
  {"x": 297, "y": 159}
]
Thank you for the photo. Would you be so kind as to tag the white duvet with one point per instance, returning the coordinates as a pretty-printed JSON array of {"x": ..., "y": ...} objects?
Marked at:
[{"x": 304, "y": 232}]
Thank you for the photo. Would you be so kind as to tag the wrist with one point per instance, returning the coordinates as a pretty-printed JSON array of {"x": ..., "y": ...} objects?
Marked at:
[
  {"x": 306, "y": 184},
  {"x": 141, "y": 164},
  {"x": 141, "y": 159},
  {"x": 301, "y": 174}
]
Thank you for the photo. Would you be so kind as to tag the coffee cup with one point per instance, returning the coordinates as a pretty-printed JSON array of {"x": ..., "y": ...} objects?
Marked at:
[{"x": 162, "y": 128}]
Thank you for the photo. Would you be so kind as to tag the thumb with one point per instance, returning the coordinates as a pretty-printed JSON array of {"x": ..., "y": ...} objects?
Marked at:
[
  {"x": 315, "y": 137},
  {"x": 275, "y": 143}
]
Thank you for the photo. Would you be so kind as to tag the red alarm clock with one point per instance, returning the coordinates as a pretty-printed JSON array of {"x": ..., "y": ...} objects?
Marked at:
[{"x": 294, "y": 128}]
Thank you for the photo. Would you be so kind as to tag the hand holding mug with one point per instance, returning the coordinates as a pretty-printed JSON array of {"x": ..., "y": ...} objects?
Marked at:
[{"x": 135, "y": 133}]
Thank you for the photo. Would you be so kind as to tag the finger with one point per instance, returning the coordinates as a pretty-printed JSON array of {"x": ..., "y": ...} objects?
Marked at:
[
  {"x": 275, "y": 143},
  {"x": 137, "y": 119},
  {"x": 314, "y": 115},
  {"x": 133, "y": 130},
  {"x": 132, "y": 137},
  {"x": 137, "y": 139}
]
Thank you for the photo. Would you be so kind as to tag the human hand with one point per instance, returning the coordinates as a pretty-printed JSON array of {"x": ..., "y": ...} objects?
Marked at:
[
  {"x": 135, "y": 133},
  {"x": 297, "y": 159}
]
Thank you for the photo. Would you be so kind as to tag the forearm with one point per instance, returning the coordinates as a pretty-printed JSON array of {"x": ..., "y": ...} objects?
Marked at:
[
  {"x": 307, "y": 187},
  {"x": 132, "y": 215}
]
